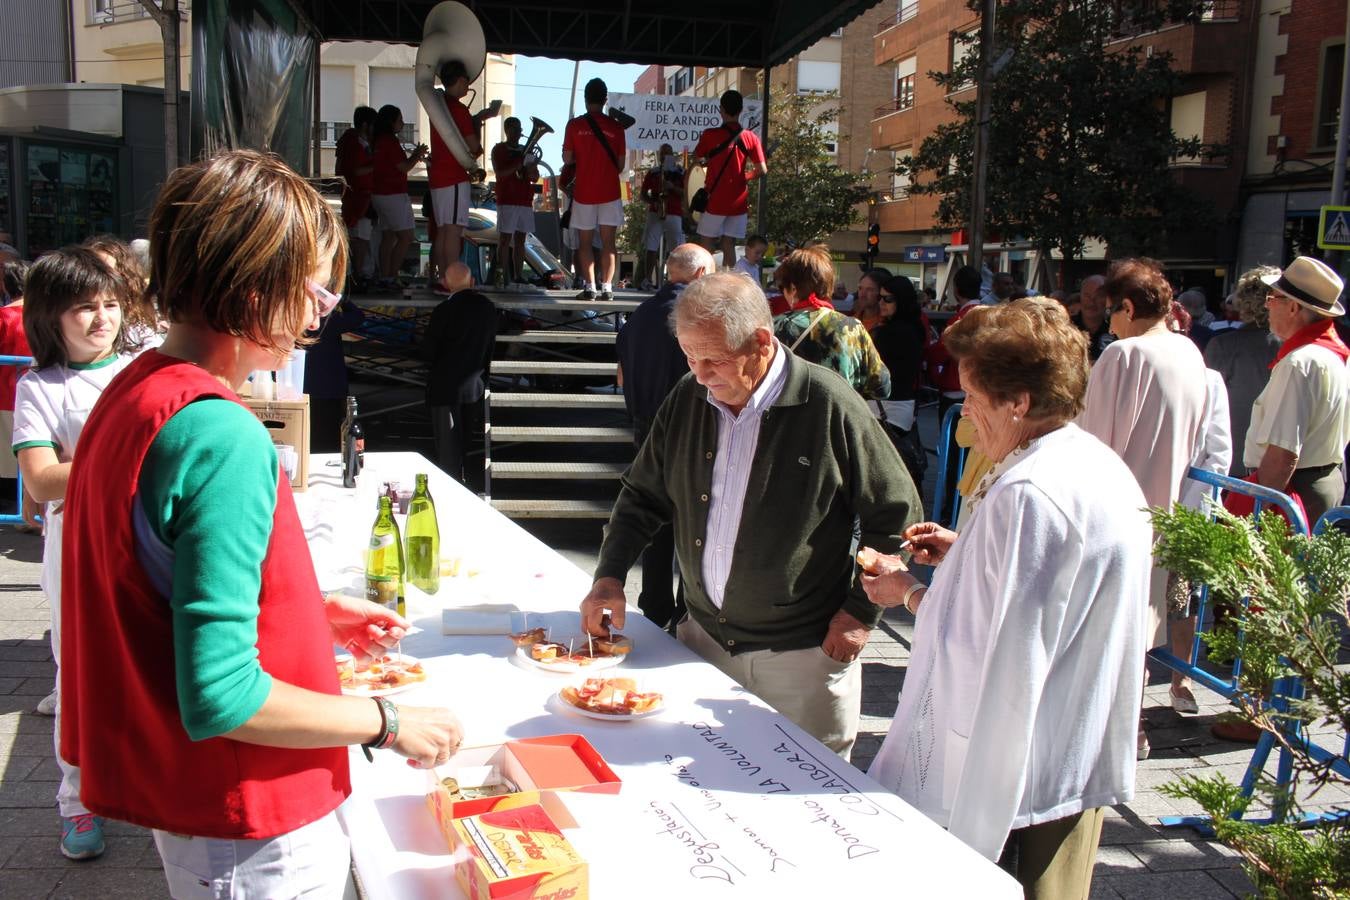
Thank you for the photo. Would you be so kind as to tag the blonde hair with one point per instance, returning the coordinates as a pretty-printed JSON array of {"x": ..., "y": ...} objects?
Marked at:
[
  {"x": 233, "y": 241},
  {"x": 1250, "y": 295}
]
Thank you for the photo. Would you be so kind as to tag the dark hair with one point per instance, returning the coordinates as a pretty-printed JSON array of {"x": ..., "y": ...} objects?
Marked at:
[
  {"x": 510, "y": 121},
  {"x": 138, "y": 310},
  {"x": 732, "y": 103},
  {"x": 878, "y": 275},
  {"x": 967, "y": 282},
  {"x": 1024, "y": 346},
  {"x": 596, "y": 91},
  {"x": 808, "y": 270},
  {"x": 385, "y": 119},
  {"x": 756, "y": 239},
  {"x": 57, "y": 282},
  {"x": 452, "y": 70},
  {"x": 1141, "y": 281},
  {"x": 15, "y": 271},
  {"x": 906, "y": 299},
  {"x": 234, "y": 239},
  {"x": 363, "y": 115}
]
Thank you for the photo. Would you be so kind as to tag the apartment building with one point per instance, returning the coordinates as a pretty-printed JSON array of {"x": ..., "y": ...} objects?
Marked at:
[
  {"x": 1291, "y": 144},
  {"x": 919, "y": 37}
]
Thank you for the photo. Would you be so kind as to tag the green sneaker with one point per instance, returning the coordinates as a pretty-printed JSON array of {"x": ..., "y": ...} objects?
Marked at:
[{"x": 82, "y": 836}]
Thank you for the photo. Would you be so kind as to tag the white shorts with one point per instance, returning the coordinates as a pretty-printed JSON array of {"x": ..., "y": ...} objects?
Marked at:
[
  {"x": 361, "y": 230},
  {"x": 451, "y": 204},
  {"x": 394, "y": 210},
  {"x": 670, "y": 226},
  {"x": 515, "y": 219},
  {"x": 712, "y": 226},
  {"x": 586, "y": 216}
]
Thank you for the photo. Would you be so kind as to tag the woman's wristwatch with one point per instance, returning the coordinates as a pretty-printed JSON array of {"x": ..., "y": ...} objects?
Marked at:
[{"x": 388, "y": 728}]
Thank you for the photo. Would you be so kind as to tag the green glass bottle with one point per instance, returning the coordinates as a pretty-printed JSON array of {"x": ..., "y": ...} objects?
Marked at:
[
  {"x": 424, "y": 540},
  {"x": 384, "y": 561}
]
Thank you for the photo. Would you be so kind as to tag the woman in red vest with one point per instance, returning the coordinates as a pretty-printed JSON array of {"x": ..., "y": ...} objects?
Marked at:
[{"x": 204, "y": 698}]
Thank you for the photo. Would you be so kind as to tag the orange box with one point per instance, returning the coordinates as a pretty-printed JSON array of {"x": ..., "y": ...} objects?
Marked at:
[
  {"x": 516, "y": 854},
  {"x": 556, "y": 762}
]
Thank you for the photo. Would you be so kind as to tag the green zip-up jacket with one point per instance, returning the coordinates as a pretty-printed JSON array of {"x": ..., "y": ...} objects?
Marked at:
[{"x": 822, "y": 459}]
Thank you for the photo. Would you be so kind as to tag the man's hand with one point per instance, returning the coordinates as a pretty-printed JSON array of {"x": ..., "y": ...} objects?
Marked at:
[
  {"x": 606, "y": 594},
  {"x": 427, "y": 736},
  {"x": 364, "y": 628},
  {"x": 846, "y": 638},
  {"x": 888, "y": 590},
  {"x": 929, "y": 542},
  {"x": 31, "y": 510}
]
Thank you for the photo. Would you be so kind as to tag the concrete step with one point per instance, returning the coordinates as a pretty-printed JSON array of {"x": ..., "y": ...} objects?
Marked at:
[
  {"x": 560, "y": 435},
  {"x": 558, "y": 336},
  {"x": 530, "y": 400},
  {"x": 553, "y": 509},
  {"x": 537, "y": 367},
  {"x": 572, "y": 471}
]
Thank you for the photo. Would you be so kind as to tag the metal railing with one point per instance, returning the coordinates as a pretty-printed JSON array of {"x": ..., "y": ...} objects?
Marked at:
[
  {"x": 904, "y": 14},
  {"x": 899, "y": 104}
]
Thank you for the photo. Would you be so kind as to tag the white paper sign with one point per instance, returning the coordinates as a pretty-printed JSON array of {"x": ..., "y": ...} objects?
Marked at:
[{"x": 678, "y": 121}]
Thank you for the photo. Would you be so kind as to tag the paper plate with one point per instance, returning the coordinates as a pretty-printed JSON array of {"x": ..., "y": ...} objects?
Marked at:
[
  {"x": 569, "y": 668},
  {"x": 360, "y": 690}
]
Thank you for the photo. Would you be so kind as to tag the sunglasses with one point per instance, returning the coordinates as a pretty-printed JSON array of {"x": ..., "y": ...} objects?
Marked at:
[{"x": 325, "y": 298}]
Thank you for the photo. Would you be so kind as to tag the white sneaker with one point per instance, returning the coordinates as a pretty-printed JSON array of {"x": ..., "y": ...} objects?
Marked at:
[{"x": 47, "y": 705}]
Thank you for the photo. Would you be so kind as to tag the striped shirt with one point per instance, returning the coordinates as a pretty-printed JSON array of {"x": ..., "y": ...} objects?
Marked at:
[{"x": 737, "y": 438}]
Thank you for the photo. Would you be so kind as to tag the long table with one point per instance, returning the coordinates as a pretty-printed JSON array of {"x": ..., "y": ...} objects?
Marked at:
[{"x": 721, "y": 795}]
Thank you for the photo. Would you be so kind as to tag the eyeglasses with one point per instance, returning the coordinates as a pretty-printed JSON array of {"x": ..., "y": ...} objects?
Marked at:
[
  {"x": 325, "y": 298},
  {"x": 887, "y": 298}
]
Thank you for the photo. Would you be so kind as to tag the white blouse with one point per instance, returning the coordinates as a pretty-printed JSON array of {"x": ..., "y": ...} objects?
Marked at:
[{"x": 1022, "y": 696}]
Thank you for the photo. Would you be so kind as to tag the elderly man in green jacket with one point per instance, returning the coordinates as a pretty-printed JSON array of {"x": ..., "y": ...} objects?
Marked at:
[{"x": 763, "y": 462}]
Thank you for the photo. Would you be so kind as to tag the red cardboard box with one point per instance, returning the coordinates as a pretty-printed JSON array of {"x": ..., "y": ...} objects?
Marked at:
[{"x": 516, "y": 854}]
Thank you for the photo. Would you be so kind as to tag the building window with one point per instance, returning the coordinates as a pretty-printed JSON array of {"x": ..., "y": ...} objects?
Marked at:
[
  {"x": 963, "y": 44},
  {"x": 830, "y": 131},
  {"x": 900, "y": 179},
  {"x": 1329, "y": 95},
  {"x": 838, "y": 33},
  {"x": 108, "y": 12},
  {"x": 904, "y": 83},
  {"x": 1188, "y": 121},
  {"x": 814, "y": 76},
  {"x": 681, "y": 81}
]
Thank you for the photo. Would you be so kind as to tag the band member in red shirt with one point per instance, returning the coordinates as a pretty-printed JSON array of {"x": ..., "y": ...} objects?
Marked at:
[
  {"x": 663, "y": 189},
  {"x": 516, "y": 174},
  {"x": 390, "y": 198},
  {"x": 356, "y": 165},
  {"x": 449, "y": 181},
  {"x": 732, "y": 156},
  {"x": 596, "y": 144}
]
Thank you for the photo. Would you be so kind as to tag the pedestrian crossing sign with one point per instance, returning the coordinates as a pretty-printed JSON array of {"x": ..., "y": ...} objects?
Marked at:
[{"x": 1333, "y": 229}]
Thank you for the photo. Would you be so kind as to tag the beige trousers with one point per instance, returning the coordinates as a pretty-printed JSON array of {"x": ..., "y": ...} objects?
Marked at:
[
  {"x": 817, "y": 694},
  {"x": 1054, "y": 860}
]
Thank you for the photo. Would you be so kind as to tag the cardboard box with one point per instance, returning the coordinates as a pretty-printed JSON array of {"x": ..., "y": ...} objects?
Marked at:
[
  {"x": 287, "y": 421},
  {"x": 517, "y": 854}
]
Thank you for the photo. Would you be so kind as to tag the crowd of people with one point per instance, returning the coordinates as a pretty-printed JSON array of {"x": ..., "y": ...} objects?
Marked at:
[{"x": 775, "y": 436}]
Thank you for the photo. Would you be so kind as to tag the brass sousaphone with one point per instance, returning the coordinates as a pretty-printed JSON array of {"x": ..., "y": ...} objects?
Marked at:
[
  {"x": 451, "y": 32},
  {"x": 538, "y": 128}
]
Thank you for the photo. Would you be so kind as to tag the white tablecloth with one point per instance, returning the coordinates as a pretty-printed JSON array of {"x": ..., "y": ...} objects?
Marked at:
[{"x": 721, "y": 795}]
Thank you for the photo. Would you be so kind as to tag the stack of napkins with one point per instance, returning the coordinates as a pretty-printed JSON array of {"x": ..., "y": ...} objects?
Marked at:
[{"x": 483, "y": 618}]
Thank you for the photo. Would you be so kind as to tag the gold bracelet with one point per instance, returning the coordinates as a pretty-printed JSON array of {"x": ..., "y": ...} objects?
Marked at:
[{"x": 909, "y": 594}]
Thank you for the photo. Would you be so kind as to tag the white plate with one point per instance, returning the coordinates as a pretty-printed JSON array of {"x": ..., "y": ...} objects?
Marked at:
[
  {"x": 362, "y": 691},
  {"x": 611, "y": 717},
  {"x": 568, "y": 668}
]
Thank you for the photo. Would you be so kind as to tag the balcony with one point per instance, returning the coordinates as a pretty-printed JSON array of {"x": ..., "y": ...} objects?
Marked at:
[
  {"x": 1213, "y": 44},
  {"x": 897, "y": 35},
  {"x": 894, "y": 125}
]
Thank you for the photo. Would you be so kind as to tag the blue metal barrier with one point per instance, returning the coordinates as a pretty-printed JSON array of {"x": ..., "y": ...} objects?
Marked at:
[
  {"x": 946, "y": 450},
  {"x": 1284, "y": 692},
  {"x": 15, "y": 518}
]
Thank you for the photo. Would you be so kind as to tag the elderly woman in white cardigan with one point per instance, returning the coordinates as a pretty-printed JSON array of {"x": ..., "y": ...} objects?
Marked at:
[{"x": 1016, "y": 725}]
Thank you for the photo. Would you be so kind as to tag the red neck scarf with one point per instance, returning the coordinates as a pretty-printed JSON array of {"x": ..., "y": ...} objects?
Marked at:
[
  {"x": 1321, "y": 334},
  {"x": 812, "y": 302}
]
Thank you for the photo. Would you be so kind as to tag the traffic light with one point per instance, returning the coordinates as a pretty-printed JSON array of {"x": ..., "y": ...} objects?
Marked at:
[{"x": 873, "y": 239}]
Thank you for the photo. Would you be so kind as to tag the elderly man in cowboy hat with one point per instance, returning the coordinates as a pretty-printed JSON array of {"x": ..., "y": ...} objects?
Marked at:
[{"x": 1301, "y": 421}]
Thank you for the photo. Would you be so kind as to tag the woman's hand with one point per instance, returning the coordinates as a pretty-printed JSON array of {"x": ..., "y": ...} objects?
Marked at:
[
  {"x": 427, "y": 736},
  {"x": 888, "y": 590},
  {"x": 364, "y": 628},
  {"x": 929, "y": 542}
]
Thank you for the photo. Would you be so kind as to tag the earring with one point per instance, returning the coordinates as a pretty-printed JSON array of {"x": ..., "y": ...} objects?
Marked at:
[{"x": 1016, "y": 418}]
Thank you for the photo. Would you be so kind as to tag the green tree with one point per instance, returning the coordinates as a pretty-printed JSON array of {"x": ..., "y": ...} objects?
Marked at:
[
  {"x": 808, "y": 195},
  {"x": 1079, "y": 134}
]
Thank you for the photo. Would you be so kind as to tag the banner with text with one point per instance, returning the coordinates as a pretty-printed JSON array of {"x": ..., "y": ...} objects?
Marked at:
[{"x": 678, "y": 121}]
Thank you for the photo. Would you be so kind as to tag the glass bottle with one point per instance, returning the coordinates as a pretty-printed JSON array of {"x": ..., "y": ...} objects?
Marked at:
[
  {"x": 358, "y": 436},
  {"x": 351, "y": 460},
  {"x": 384, "y": 561},
  {"x": 424, "y": 540}
]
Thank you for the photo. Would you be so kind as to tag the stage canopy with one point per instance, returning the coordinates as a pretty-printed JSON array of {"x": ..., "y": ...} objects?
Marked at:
[{"x": 674, "y": 32}]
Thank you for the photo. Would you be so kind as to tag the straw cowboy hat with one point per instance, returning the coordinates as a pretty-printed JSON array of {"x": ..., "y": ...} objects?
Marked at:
[{"x": 1311, "y": 282}]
